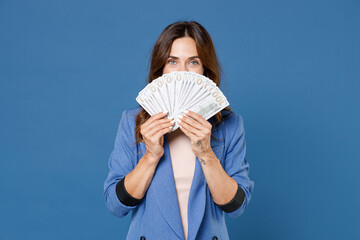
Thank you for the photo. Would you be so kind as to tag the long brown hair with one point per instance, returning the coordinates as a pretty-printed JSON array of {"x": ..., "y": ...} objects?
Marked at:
[{"x": 160, "y": 54}]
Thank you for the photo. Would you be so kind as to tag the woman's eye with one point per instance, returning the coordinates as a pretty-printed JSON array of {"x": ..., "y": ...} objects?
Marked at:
[
  {"x": 194, "y": 62},
  {"x": 171, "y": 61}
]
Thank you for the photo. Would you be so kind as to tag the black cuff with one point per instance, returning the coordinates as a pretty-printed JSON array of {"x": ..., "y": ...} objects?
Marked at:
[
  {"x": 235, "y": 203},
  {"x": 124, "y": 197}
]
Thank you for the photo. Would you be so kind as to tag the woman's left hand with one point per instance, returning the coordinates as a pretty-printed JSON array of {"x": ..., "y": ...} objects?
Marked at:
[{"x": 198, "y": 129}]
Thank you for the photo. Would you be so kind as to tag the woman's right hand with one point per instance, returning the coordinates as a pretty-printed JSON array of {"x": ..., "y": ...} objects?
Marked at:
[{"x": 152, "y": 131}]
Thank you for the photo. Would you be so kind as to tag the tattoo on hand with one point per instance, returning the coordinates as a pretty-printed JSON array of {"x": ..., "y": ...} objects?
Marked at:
[
  {"x": 202, "y": 161},
  {"x": 200, "y": 145}
]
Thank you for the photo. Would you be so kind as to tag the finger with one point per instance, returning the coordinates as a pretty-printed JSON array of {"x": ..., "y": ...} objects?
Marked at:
[
  {"x": 159, "y": 127},
  {"x": 190, "y": 128},
  {"x": 161, "y": 132},
  {"x": 153, "y": 131},
  {"x": 154, "y": 117},
  {"x": 191, "y": 122},
  {"x": 198, "y": 118},
  {"x": 188, "y": 133},
  {"x": 152, "y": 125}
]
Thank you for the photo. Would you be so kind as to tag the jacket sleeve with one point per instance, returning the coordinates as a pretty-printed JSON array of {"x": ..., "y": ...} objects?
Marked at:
[
  {"x": 235, "y": 164},
  {"x": 122, "y": 161}
]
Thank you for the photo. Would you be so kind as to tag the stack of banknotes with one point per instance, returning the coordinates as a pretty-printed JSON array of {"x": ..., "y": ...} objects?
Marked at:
[{"x": 177, "y": 91}]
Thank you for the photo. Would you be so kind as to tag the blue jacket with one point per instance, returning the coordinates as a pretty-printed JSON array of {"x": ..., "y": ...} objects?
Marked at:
[{"x": 157, "y": 216}]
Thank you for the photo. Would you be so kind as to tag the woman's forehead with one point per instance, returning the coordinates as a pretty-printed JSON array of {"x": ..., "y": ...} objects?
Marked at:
[{"x": 184, "y": 46}]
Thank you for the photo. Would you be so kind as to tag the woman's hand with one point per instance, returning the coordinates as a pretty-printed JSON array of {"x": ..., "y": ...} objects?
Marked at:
[
  {"x": 198, "y": 129},
  {"x": 153, "y": 131}
]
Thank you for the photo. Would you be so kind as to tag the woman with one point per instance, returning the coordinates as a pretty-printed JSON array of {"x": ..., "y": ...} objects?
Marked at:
[{"x": 180, "y": 184}]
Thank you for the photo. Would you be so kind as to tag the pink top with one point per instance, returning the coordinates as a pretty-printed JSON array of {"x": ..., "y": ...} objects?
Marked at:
[{"x": 183, "y": 163}]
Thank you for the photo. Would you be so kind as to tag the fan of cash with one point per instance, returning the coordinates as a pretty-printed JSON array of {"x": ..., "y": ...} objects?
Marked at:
[{"x": 177, "y": 91}]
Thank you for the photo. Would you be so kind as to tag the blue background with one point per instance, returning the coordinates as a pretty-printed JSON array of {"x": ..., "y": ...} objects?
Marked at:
[{"x": 68, "y": 69}]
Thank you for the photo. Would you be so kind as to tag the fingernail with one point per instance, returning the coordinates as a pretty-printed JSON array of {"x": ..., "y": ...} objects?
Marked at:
[
  {"x": 179, "y": 120},
  {"x": 172, "y": 121},
  {"x": 165, "y": 112},
  {"x": 186, "y": 111},
  {"x": 180, "y": 116}
]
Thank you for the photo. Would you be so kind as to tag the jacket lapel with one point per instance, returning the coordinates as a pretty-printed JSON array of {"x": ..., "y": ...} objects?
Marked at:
[
  {"x": 166, "y": 197},
  {"x": 197, "y": 197},
  {"x": 196, "y": 203}
]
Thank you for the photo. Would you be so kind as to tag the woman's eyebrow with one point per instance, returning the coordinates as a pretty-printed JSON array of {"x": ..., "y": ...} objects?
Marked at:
[{"x": 189, "y": 57}]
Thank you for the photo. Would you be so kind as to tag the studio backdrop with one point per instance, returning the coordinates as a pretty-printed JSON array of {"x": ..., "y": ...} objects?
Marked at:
[{"x": 68, "y": 70}]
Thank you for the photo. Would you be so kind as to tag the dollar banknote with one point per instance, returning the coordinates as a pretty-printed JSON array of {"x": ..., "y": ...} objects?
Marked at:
[{"x": 178, "y": 91}]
